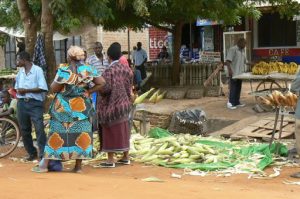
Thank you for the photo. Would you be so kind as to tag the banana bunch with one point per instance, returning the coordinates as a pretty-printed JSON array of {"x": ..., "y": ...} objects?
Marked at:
[
  {"x": 264, "y": 68},
  {"x": 293, "y": 69},
  {"x": 277, "y": 98},
  {"x": 261, "y": 68}
]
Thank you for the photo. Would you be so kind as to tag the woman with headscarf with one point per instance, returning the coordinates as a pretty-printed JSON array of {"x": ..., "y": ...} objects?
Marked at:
[
  {"x": 70, "y": 135},
  {"x": 114, "y": 107}
]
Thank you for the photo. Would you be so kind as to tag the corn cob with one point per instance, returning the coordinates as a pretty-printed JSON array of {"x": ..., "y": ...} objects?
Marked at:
[
  {"x": 154, "y": 96},
  {"x": 142, "y": 97},
  {"x": 160, "y": 97}
]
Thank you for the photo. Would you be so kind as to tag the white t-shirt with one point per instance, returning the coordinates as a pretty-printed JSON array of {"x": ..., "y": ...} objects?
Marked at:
[{"x": 238, "y": 60}]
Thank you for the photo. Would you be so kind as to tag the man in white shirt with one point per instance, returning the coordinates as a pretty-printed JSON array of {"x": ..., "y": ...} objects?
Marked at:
[
  {"x": 235, "y": 62},
  {"x": 140, "y": 58},
  {"x": 31, "y": 87}
]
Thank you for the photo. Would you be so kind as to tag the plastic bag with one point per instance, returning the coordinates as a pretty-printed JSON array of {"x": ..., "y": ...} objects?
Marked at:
[
  {"x": 189, "y": 121},
  {"x": 158, "y": 133}
]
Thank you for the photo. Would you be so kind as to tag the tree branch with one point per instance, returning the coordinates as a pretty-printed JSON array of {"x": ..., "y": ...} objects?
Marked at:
[{"x": 158, "y": 25}]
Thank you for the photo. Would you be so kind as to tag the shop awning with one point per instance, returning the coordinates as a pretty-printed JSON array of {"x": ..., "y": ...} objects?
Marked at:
[{"x": 17, "y": 33}]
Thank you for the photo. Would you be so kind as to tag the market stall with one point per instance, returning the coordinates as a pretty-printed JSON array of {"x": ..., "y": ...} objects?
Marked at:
[
  {"x": 273, "y": 90},
  {"x": 7, "y": 77},
  {"x": 271, "y": 76}
]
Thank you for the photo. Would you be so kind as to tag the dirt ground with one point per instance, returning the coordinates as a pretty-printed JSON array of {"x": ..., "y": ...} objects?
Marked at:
[{"x": 16, "y": 180}]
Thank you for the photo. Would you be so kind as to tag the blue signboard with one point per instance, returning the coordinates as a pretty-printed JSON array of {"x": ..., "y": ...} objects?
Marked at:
[{"x": 207, "y": 22}]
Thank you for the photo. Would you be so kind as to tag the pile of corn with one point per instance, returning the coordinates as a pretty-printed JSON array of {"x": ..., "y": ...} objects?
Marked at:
[{"x": 177, "y": 149}]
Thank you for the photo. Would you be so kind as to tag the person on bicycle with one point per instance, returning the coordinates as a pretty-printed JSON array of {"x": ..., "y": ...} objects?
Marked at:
[{"x": 9, "y": 107}]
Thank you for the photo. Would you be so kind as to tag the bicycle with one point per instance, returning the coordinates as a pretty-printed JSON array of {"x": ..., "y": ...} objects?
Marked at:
[{"x": 9, "y": 135}]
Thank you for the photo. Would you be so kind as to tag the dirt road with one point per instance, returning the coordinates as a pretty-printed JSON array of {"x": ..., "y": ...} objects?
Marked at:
[{"x": 16, "y": 181}]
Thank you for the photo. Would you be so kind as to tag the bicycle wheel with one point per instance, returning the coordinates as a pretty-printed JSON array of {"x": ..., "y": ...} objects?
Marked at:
[{"x": 9, "y": 136}]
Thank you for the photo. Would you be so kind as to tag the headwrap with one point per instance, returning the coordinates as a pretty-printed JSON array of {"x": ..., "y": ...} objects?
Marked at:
[{"x": 76, "y": 53}]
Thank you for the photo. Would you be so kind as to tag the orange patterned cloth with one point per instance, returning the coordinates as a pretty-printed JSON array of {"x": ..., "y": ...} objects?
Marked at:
[{"x": 70, "y": 135}]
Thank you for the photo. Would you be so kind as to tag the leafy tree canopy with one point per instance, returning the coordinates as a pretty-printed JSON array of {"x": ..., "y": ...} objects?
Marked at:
[
  {"x": 134, "y": 13},
  {"x": 68, "y": 14}
]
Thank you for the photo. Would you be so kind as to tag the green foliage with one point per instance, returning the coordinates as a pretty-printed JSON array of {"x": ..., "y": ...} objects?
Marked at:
[
  {"x": 118, "y": 14},
  {"x": 70, "y": 15},
  {"x": 157, "y": 12},
  {"x": 3, "y": 39},
  {"x": 9, "y": 14}
]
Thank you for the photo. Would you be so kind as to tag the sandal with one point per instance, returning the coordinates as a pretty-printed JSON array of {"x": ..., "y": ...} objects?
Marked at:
[
  {"x": 105, "y": 165},
  {"x": 126, "y": 162},
  {"x": 38, "y": 169}
]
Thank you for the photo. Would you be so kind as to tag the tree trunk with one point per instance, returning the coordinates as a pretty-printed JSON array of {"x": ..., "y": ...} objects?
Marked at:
[
  {"x": 29, "y": 23},
  {"x": 89, "y": 38},
  {"x": 176, "y": 55},
  {"x": 47, "y": 31}
]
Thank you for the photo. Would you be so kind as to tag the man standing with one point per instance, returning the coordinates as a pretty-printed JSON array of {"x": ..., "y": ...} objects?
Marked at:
[
  {"x": 140, "y": 57},
  {"x": 30, "y": 86},
  {"x": 235, "y": 62},
  {"x": 98, "y": 60}
]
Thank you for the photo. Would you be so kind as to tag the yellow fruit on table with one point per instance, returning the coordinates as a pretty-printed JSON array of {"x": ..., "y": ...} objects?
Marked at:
[{"x": 264, "y": 68}]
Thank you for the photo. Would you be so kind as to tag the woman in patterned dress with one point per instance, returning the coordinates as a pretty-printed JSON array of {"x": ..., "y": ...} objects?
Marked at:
[
  {"x": 70, "y": 135},
  {"x": 114, "y": 107}
]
